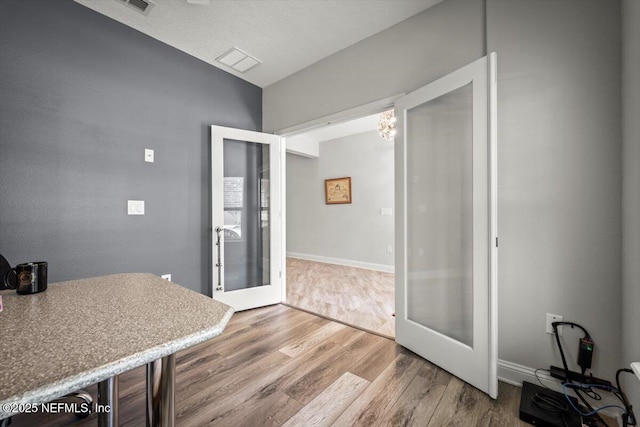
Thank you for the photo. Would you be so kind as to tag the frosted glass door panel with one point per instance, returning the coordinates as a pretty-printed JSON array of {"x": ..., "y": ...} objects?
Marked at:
[
  {"x": 446, "y": 259},
  {"x": 246, "y": 215},
  {"x": 440, "y": 214}
]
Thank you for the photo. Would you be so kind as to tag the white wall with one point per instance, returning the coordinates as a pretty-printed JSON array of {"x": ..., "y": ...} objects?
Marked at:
[
  {"x": 399, "y": 59},
  {"x": 559, "y": 174},
  {"x": 631, "y": 191},
  {"x": 559, "y": 149},
  {"x": 303, "y": 145},
  {"x": 353, "y": 232}
]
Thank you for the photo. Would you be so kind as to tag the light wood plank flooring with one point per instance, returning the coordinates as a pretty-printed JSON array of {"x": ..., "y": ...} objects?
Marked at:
[
  {"x": 279, "y": 366},
  {"x": 355, "y": 296}
]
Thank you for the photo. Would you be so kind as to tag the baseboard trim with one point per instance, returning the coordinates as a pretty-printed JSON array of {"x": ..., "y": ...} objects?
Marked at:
[
  {"x": 514, "y": 374},
  {"x": 345, "y": 262}
]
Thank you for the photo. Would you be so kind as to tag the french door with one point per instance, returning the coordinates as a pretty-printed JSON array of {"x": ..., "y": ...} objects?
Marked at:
[
  {"x": 246, "y": 217},
  {"x": 446, "y": 258}
]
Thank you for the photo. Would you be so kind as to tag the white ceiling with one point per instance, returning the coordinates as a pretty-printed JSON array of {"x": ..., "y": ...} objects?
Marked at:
[{"x": 286, "y": 35}]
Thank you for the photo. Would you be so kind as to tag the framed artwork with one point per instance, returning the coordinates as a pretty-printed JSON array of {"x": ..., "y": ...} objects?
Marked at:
[{"x": 337, "y": 190}]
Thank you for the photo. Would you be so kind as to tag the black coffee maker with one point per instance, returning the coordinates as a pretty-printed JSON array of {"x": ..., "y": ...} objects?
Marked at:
[{"x": 4, "y": 267}]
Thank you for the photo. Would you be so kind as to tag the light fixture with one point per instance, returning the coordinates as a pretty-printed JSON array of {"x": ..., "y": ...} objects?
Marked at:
[{"x": 387, "y": 125}]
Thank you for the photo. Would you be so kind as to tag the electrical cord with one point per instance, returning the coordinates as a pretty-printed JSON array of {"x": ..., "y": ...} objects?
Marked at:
[
  {"x": 592, "y": 394},
  {"x": 538, "y": 378},
  {"x": 552, "y": 404},
  {"x": 593, "y": 412},
  {"x": 628, "y": 418},
  {"x": 565, "y": 365},
  {"x": 555, "y": 325},
  {"x": 586, "y": 389}
]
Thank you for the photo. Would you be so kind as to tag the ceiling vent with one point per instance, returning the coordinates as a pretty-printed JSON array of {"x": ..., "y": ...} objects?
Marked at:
[
  {"x": 142, "y": 6},
  {"x": 238, "y": 60}
]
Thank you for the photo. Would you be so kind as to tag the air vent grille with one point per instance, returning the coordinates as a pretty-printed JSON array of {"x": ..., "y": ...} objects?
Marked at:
[
  {"x": 142, "y": 6},
  {"x": 238, "y": 60}
]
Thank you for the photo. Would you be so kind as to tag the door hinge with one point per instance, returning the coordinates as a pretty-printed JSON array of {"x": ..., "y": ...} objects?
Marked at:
[
  {"x": 280, "y": 275},
  {"x": 496, "y": 242}
]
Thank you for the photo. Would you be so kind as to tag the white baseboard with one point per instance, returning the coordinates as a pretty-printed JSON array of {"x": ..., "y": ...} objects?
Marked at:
[
  {"x": 514, "y": 374},
  {"x": 346, "y": 262}
]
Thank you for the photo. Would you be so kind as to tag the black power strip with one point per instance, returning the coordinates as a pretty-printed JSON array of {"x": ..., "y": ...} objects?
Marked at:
[{"x": 577, "y": 377}]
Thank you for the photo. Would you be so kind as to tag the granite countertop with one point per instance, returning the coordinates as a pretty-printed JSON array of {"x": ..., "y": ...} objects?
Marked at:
[{"x": 81, "y": 332}]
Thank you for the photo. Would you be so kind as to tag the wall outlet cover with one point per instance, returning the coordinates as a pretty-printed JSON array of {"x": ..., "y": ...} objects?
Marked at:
[
  {"x": 166, "y": 277},
  {"x": 148, "y": 155},
  {"x": 550, "y": 319}
]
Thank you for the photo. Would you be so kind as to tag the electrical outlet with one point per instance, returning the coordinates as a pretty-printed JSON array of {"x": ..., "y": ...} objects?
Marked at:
[
  {"x": 166, "y": 277},
  {"x": 553, "y": 318},
  {"x": 389, "y": 249},
  {"x": 148, "y": 155}
]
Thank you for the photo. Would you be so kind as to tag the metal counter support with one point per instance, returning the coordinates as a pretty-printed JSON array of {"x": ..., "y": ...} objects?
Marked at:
[
  {"x": 108, "y": 396},
  {"x": 161, "y": 391}
]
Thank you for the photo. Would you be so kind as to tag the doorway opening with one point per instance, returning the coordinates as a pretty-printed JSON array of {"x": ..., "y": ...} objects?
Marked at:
[{"x": 340, "y": 256}]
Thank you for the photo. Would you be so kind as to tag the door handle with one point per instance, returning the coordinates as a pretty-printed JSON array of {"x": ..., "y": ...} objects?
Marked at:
[{"x": 219, "y": 263}]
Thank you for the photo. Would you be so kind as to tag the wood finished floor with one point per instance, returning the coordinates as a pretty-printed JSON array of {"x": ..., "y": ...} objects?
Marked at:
[
  {"x": 355, "y": 296},
  {"x": 278, "y": 366}
]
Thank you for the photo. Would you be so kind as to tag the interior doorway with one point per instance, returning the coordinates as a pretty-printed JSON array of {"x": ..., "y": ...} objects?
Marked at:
[{"x": 340, "y": 256}]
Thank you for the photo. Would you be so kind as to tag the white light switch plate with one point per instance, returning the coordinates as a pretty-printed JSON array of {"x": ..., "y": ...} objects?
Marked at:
[
  {"x": 135, "y": 207},
  {"x": 148, "y": 155},
  {"x": 386, "y": 211}
]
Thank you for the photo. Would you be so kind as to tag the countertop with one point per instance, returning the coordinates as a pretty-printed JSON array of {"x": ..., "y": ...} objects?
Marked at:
[{"x": 80, "y": 332}]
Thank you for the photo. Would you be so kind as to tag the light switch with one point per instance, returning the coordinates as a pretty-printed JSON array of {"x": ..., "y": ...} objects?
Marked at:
[
  {"x": 148, "y": 155},
  {"x": 386, "y": 211},
  {"x": 135, "y": 207}
]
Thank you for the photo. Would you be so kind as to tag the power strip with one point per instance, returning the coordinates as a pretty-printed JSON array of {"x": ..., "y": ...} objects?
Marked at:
[{"x": 577, "y": 377}]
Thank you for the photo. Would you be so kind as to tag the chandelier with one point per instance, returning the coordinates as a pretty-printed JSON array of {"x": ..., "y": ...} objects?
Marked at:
[{"x": 387, "y": 125}]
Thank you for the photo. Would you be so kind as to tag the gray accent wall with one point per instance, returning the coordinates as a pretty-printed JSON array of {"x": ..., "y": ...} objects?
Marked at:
[
  {"x": 631, "y": 192},
  {"x": 82, "y": 96},
  {"x": 559, "y": 149},
  {"x": 356, "y": 232}
]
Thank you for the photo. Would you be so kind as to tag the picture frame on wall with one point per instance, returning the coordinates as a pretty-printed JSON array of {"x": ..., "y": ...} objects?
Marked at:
[{"x": 337, "y": 191}]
